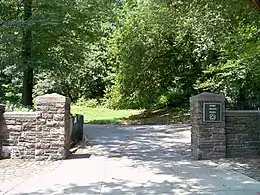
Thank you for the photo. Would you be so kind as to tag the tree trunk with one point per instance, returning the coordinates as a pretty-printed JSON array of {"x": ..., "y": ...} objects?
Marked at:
[
  {"x": 26, "y": 56},
  {"x": 28, "y": 86},
  {"x": 256, "y": 3}
]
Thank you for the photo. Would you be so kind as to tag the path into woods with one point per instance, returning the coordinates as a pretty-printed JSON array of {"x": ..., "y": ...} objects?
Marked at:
[{"x": 136, "y": 160}]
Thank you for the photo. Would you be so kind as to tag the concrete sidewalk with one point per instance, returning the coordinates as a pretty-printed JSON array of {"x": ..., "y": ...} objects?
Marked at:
[{"x": 137, "y": 160}]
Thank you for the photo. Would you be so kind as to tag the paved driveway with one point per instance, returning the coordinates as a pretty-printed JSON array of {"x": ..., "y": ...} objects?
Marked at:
[{"x": 137, "y": 160}]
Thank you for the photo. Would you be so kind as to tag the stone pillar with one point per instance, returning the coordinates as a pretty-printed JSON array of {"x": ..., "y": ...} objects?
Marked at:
[
  {"x": 208, "y": 139},
  {"x": 52, "y": 126},
  {"x": 2, "y": 110}
]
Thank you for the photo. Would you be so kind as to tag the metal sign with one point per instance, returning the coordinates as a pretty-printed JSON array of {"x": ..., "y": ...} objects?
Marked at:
[{"x": 212, "y": 112}]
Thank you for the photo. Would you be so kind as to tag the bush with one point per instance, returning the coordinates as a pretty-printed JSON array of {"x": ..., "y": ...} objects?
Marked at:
[
  {"x": 92, "y": 103},
  {"x": 16, "y": 107},
  {"x": 171, "y": 99}
]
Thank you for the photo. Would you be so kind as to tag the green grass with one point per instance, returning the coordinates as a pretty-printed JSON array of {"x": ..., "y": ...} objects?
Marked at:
[
  {"x": 103, "y": 115},
  {"x": 152, "y": 116}
]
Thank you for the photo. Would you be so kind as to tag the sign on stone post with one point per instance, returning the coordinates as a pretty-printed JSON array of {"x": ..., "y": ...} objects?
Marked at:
[
  {"x": 207, "y": 111},
  {"x": 212, "y": 112}
]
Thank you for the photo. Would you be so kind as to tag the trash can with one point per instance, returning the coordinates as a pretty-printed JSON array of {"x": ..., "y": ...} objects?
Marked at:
[{"x": 77, "y": 131}]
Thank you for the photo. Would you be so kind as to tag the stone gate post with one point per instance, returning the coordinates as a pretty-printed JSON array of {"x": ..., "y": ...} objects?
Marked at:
[
  {"x": 52, "y": 127},
  {"x": 208, "y": 140}
]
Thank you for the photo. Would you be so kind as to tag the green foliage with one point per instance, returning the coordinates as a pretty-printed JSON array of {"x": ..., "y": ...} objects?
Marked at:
[
  {"x": 86, "y": 80},
  {"x": 160, "y": 46},
  {"x": 133, "y": 53},
  {"x": 65, "y": 45},
  {"x": 10, "y": 85},
  {"x": 12, "y": 107},
  {"x": 172, "y": 99},
  {"x": 91, "y": 103},
  {"x": 236, "y": 74}
]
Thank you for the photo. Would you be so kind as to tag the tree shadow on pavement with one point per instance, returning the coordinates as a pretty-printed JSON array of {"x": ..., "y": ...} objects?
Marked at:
[
  {"x": 158, "y": 162},
  {"x": 176, "y": 185}
]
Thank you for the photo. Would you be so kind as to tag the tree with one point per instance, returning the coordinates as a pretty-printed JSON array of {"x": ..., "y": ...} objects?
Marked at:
[
  {"x": 36, "y": 38},
  {"x": 10, "y": 51},
  {"x": 27, "y": 55},
  {"x": 161, "y": 48}
]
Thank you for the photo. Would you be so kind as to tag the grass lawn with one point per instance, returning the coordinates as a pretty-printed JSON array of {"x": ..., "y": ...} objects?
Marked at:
[
  {"x": 103, "y": 115},
  {"x": 153, "y": 116}
]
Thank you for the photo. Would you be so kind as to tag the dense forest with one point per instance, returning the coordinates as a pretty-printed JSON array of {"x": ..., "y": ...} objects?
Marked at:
[{"x": 130, "y": 53}]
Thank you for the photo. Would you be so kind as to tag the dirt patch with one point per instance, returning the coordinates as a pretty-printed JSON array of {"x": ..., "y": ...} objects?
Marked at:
[{"x": 159, "y": 117}]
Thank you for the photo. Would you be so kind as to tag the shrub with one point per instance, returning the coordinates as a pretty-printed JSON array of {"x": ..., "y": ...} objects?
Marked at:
[
  {"x": 16, "y": 107},
  {"x": 171, "y": 99},
  {"x": 92, "y": 103}
]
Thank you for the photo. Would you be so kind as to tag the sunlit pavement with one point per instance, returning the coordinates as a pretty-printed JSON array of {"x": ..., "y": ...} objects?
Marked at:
[{"x": 138, "y": 160}]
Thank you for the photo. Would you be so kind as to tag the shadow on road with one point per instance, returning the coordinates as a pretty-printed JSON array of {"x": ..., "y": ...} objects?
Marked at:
[{"x": 146, "y": 160}]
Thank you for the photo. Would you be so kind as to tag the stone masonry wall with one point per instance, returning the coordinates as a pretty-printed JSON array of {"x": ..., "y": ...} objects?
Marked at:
[
  {"x": 40, "y": 135},
  {"x": 18, "y": 133},
  {"x": 53, "y": 117},
  {"x": 237, "y": 134},
  {"x": 2, "y": 109},
  {"x": 207, "y": 139},
  {"x": 243, "y": 133}
]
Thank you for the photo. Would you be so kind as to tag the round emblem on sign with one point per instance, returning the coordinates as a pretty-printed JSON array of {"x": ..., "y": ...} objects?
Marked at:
[{"x": 212, "y": 117}]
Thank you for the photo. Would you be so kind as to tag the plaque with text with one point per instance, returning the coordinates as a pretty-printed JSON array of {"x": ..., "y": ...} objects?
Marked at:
[{"x": 212, "y": 112}]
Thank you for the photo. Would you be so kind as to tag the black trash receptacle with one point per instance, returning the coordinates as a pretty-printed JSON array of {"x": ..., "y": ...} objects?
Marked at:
[{"x": 77, "y": 132}]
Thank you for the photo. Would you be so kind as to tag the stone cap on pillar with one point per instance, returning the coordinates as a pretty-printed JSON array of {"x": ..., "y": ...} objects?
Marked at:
[
  {"x": 2, "y": 108},
  {"x": 206, "y": 96},
  {"x": 54, "y": 97}
]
